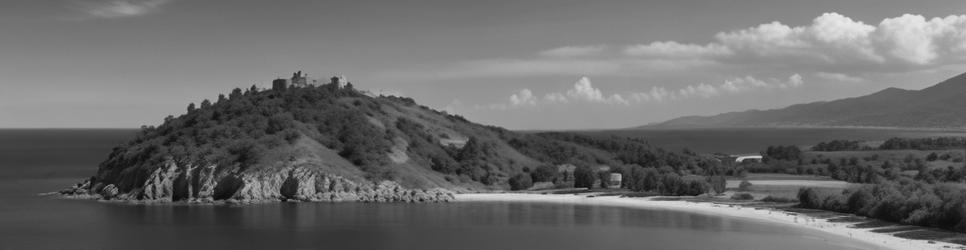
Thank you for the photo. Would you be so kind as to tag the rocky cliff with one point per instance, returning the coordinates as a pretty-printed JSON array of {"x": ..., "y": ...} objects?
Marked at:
[{"x": 204, "y": 184}]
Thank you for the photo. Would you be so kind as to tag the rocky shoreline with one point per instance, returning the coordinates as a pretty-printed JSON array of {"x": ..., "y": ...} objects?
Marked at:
[{"x": 172, "y": 183}]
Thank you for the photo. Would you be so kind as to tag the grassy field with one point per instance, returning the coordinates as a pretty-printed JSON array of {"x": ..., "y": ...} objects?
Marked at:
[{"x": 784, "y": 185}]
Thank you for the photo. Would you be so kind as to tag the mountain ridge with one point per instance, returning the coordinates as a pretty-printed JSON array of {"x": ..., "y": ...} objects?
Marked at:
[{"x": 931, "y": 107}]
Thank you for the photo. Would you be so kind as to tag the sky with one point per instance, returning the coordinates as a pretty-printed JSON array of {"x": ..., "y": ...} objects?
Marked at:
[{"x": 529, "y": 64}]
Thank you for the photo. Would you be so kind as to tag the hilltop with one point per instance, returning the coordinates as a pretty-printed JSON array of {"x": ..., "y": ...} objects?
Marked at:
[
  {"x": 332, "y": 142},
  {"x": 938, "y": 106}
]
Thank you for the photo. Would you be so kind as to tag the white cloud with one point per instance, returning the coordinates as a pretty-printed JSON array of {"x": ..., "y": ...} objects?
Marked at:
[
  {"x": 584, "y": 91},
  {"x": 672, "y": 49},
  {"x": 839, "y": 77},
  {"x": 574, "y": 51},
  {"x": 555, "y": 98},
  {"x": 120, "y": 8},
  {"x": 704, "y": 90},
  {"x": 524, "y": 98},
  {"x": 831, "y": 40},
  {"x": 656, "y": 94}
]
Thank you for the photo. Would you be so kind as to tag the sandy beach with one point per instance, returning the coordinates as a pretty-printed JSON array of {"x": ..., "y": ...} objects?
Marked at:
[{"x": 885, "y": 241}]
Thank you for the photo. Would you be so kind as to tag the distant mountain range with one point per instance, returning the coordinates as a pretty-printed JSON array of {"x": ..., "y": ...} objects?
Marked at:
[{"x": 940, "y": 106}]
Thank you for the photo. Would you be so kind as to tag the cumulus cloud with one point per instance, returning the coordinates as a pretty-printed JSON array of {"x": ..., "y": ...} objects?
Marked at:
[
  {"x": 831, "y": 43},
  {"x": 831, "y": 40},
  {"x": 574, "y": 51},
  {"x": 583, "y": 91},
  {"x": 704, "y": 90},
  {"x": 524, "y": 98},
  {"x": 120, "y": 8}
]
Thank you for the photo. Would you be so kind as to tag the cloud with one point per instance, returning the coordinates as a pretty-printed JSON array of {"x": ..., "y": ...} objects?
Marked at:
[
  {"x": 555, "y": 98},
  {"x": 704, "y": 90},
  {"x": 831, "y": 41},
  {"x": 584, "y": 92},
  {"x": 574, "y": 51},
  {"x": 838, "y": 77},
  {"x": 119, "y": 8},
  {"x": 524, "y": 98},
  {"x": 672, "y": 49},
  {"x": 832, "y": 47}
]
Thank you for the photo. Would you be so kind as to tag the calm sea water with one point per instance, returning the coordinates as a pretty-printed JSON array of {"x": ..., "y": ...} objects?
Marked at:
[{"x": 35, "y": 161}]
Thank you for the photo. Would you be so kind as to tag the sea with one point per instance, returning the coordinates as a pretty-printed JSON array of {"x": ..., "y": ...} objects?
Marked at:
[{"x": 38, "y": 161}]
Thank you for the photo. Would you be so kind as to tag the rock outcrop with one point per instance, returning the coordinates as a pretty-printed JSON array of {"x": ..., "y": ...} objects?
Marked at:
[{"x": 194, "y": 184}]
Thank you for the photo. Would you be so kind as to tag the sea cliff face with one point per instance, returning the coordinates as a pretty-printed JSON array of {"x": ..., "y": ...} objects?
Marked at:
[{"x": 208, "y": 184}]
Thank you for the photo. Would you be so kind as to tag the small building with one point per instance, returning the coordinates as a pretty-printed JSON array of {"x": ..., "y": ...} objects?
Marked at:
[
  {"x": 614, "y": 180},
  {"x": 279, "y": 84},
  {"x": 299, "y": 80},
  {"x": 338, "y": 81}
]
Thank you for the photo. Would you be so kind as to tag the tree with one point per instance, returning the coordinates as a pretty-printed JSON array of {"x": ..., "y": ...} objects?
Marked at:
[
  {"x": 520, "y": 181},
  {"x": 718, "y": 184},
  {"x": 584, "y": 177},
  {"x": 191, "y": 107},
  {"x": 205, "y": 104},
  {"x": 221, "y": 98},
  {"x": 604, "y": 177},
  {"x": 235, "y": 93},
  {"x": 545, "y": 173}
]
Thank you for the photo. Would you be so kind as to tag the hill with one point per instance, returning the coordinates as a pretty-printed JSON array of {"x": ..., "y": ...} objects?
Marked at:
[
  {"x": 938, "y": 106},
  {"x": 335, "y": 143}
]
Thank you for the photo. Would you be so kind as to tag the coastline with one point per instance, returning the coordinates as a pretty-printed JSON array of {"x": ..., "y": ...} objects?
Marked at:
[{"x": 882, "y": 240}]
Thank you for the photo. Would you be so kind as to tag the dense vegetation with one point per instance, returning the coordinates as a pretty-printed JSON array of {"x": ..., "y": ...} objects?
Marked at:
[
  {"x": 903, "y": 200},
  {"x": 785, "y": 153},
  {"x": 895, "y": 143},
  {"x": 924, "y": 143},
  {"x": 905, "y": 187},
  {"x": 644, "y": 168},
  {"x": 839, "y": 145}
]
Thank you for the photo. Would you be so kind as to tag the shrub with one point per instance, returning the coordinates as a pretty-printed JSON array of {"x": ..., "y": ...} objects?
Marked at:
[
  {"x": 520, "y": 181},
  {"x": 744, "y": 185},
  {"x": 742, "y": 196}
]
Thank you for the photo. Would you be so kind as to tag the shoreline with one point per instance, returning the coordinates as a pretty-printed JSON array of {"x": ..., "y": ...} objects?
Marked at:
[{"x": 882, "y": 240}]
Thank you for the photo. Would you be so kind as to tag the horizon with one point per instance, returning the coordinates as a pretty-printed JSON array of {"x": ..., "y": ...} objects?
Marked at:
[{"x": 537, "y": 65}]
